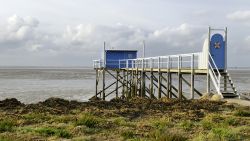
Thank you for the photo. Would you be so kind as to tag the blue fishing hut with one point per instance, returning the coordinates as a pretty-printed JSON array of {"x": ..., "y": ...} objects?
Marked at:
[
  {"x": 144, "y": 77},
  {"x": 115, "y": 59}
]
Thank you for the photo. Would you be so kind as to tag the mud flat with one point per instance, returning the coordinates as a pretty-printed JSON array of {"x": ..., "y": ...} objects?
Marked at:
[
  {"x": 238, "y": 101},
  {"x": 136, "y": 119}
]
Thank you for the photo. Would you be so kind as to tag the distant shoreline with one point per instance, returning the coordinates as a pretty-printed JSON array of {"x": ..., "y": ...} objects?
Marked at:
[
  {"x": 44, "y": 67},
  {"x": 83, "y": 67}
]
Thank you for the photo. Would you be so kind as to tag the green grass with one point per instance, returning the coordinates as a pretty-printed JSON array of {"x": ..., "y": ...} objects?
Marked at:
[
  {"x": 223, "y": 134},
  {"x": 127, "y": 134},
  {"x": 242, "y": 113},
  {"x": 6, "y": 125},
  {"x": 88, "y": 130},
  {"x": 161, "y": 123},
  {"x": 33, "y": 118},
  {"x": 207, "y": 125},
  {"x": 167, "y": 135},
  {"x": 186, "y": 124},
  {"x": 63, "y": 134},
  {"x": 49, "y": 131},
  {"x": 110, "y": 124},
  {"x": 121, "y": 121},
  {"x": 231, "y": 121},
  {"x": 87, "y": 120},
  {"x": 2, "y": 138}
]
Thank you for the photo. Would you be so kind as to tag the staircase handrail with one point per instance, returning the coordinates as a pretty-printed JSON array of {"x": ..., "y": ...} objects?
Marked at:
[{"x": 213, "y": 69}]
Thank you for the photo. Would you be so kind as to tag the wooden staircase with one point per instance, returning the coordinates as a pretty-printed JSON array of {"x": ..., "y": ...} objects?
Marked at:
[{"x": 227, "y": 87}]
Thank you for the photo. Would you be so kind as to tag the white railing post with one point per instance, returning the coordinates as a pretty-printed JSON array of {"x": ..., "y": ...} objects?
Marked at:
[
  {"x": 168, "y": 63},
  {"x": 126, "y": 63},
  {"x": 151, "y": 63},
  {"x": 179, "y": 65},
  {"x": 192, "y": 61},
  {"x": 142, "y": 63},
  {"x": 159, "y": 63},
  {"x": 137, "y": 63}
]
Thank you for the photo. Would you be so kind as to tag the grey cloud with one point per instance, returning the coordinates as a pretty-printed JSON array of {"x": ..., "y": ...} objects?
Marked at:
[
  {"x": 240, "y": 16},
  {"x": 85, "y": 41}
]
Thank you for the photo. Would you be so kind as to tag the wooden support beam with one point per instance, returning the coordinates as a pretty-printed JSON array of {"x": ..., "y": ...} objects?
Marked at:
[
  {"x": 120, "y": 77},
  {"x": 173, "y": 95},
  {"x": 151, "y": 85},
  {"x": 143, "y": 84},
  {"x": 96, "y": 82},
  {"x": 116, "y": 86},
  {"x": 136, "y": 81},
  {"x": 159, "y": 84},
  {"x": 179, "y": 77},
  {"x": 163, "y": 78},
  {"x": 127, "y": 84},
  {"x": 148, "y": 91},
  {"x": 106, "y": 87},
  {"x": 195, "y": 90},
  {"x": 113, "y": 91},
  {"x": 192, "y": 89},
  {"x": 169, "y": 78},
  {"x": 208, "y": 82},
  {"x": 123, "y": 84},
  {"x": 161, "y": 90},
  {"x": 169, "y": 88},
  {"x": 175, "y": 89},
  {"x": 180, "y": 85},
  {"x": 103, "y": 84},
  {"x": 146, "y": 76},
  {"x": 225, "y": 83},
  {"x": 192, "y": 77}
]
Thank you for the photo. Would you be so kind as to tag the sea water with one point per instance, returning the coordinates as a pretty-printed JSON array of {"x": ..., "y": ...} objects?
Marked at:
[{"x": 34, "y": 84}]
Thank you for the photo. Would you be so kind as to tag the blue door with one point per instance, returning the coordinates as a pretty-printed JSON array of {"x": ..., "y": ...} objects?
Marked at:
[{"x": 217, "y": 51}]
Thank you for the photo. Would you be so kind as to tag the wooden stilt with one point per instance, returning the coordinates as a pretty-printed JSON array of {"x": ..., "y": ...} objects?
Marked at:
[
  {"x": 143, "y": 84},
  {"x": 179, "y": 78},
  {"x": 123, "y": 84},
  {"x": 208, "y": 83},
  {"x": 127, "y": 84},
  {"x": 192, "y": 77},
  {"x": 103, "y": 84},
  {"x": 169, "y": 90},
  {"x": 180, "y": 85},
  {"x": 96, "y": 83},
  {"x": 136, "y": 82},
  {"x": 151, "y": 85},
  {"x": 159, "y": 84},
  {"x": 192, "y": 86},
  {"x": 225, "y": 83},
  {"x": 116, "y": 86}
]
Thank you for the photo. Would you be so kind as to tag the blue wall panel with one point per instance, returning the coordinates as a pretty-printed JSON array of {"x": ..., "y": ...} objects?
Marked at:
[
  {"x": 113, "y": 57},
  {"x": 217, "y": 50}
]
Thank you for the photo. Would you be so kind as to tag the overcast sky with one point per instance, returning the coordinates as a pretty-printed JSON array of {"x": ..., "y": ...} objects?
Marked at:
[{"x": 71, "y": 32}]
